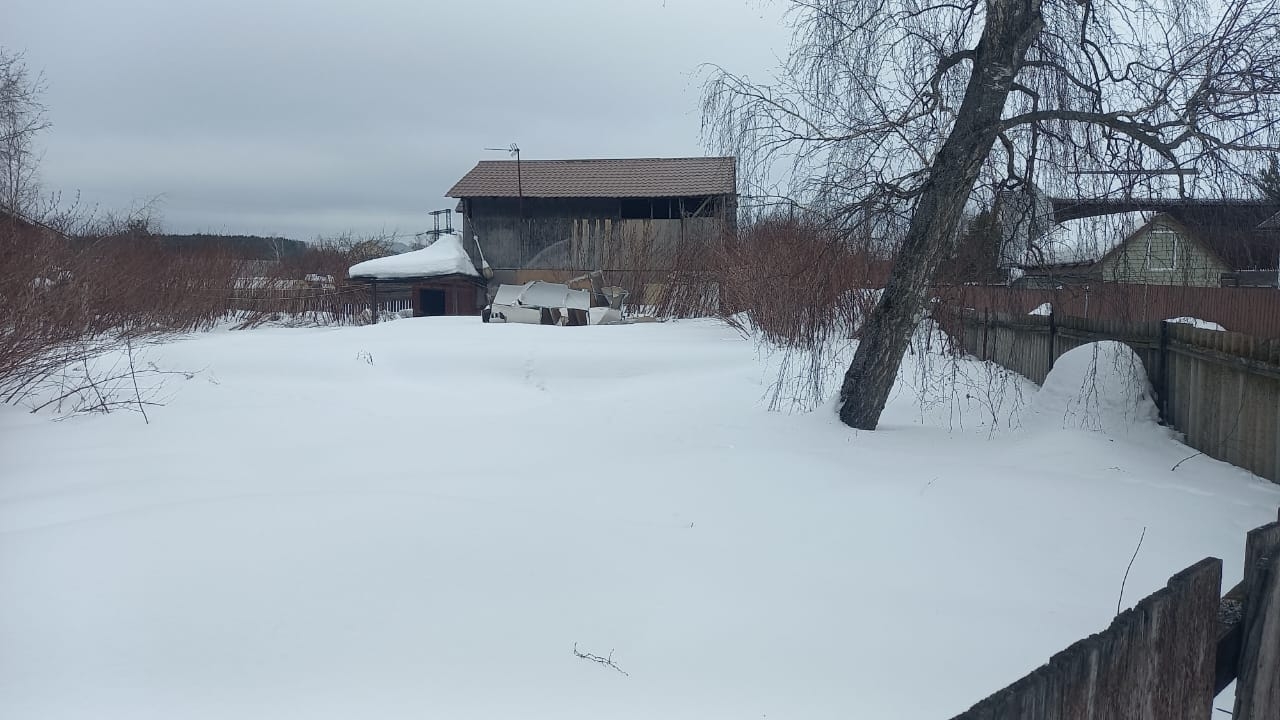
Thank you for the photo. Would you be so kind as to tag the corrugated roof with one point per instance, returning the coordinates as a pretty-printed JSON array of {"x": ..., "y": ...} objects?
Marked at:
[{"x": 621, "y": 177}]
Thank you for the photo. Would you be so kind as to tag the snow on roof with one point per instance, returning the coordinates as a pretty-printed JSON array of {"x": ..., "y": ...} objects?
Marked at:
[
  {"x": 443, "y": 257},
  {"x": 1089, "y": 238}
]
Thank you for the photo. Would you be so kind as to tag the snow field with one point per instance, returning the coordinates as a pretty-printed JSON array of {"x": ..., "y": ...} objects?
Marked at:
[{"x": 420, "y": 518}]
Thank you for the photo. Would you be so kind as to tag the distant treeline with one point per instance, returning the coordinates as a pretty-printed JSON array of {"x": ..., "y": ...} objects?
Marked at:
[
  {"x": 243, "y": 247},
  {"x": 250, "y": 247}
]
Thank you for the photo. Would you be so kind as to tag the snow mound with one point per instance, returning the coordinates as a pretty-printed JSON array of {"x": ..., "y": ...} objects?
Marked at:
[
  {"x": 445, "y": 256},
  {"x": 1197, "y": 322},
  {"x": 1043, "y": 309},
  {"x": 1100, "y": 386}
]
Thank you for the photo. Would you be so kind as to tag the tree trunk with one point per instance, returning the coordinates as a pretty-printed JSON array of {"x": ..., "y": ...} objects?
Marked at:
[{"x": 1011, "y": 25}]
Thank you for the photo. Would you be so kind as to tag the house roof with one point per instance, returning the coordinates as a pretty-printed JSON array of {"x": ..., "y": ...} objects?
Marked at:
[
  {"x": 620, "y": 177},
  {"x": 1072, "y": 208},
  {"x": 1086, "y": 239},
  {"x": 1234, "y": 230}
]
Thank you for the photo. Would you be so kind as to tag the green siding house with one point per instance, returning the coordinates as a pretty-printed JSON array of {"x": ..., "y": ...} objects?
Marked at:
[{"x": 1163, "y": 252}]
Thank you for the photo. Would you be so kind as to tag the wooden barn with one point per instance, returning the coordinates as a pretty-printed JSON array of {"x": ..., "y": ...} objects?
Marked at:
[{"x": 556, "y": 219}]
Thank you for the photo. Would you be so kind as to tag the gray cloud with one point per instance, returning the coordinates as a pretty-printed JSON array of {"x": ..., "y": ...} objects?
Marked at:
[{"x": 314, "y": 118}]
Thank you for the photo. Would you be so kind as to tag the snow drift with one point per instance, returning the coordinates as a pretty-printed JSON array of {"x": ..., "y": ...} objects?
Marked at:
[{"x": 1099, "y": 386}]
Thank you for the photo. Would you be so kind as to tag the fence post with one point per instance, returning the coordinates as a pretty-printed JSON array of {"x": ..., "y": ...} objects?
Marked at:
[
  {"x": 1164, "y": 372},
  {"x": 1258, "y": 672},
  {"x": 986, "y": 323},
  {"x": 1053, "y": 332},
  {"x": 373, "y": 305}
]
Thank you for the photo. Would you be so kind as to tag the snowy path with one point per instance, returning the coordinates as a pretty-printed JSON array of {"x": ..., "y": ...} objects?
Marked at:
[{"x": 420, "y": 519}]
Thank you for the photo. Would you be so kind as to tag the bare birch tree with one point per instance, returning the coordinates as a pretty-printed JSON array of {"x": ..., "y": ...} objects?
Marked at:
[
  {"x": 22, "y": 116},
  {"x": 909, "y": 111}
]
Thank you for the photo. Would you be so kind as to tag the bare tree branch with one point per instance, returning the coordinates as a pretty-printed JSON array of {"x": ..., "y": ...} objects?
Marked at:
[{"x": 606, "y": 661}]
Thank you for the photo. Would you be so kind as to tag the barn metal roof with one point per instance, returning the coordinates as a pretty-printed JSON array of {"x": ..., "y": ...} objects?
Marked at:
[{"x": 610, "y": 178}]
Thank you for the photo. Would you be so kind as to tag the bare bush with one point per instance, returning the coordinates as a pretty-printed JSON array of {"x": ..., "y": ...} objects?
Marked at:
[
  {"x": 798, "y": 287},
  {"x": 312, "y": 287},
  {"x": 65, "y": 300}
]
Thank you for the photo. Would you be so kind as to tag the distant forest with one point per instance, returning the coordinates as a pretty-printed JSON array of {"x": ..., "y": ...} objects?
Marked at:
[{"x": 251, "y": 247}]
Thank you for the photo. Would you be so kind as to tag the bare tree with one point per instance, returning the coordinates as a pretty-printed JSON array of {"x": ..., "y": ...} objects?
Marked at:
[
  {"x": 911, "y": 111},
  {"x": 22, "y": 116},
  {"x": 1267, "y": 181}
]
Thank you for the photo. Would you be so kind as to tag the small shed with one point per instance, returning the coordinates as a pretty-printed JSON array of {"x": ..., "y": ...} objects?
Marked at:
[{"x": 440, "y": 278}]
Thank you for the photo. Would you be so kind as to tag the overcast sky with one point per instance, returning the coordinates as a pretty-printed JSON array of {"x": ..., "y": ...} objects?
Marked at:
[{"x": 308, "y": 119}]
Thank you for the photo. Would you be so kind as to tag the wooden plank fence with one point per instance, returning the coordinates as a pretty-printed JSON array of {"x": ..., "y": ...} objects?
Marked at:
[
  {"x": 1220, "y": 389},
  {"x": 1253, "y": 311},
  {"x": 347, "y": 303},
  {"x": 1168, "y": 656}
]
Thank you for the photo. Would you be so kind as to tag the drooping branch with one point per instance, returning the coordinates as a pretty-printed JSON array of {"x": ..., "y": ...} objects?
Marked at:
[{"x": 863, "y": 125}]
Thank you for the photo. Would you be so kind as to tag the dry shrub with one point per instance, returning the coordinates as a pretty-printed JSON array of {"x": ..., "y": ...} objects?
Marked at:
[
  {"x": 794, "y": 283},
  {"x": 796, "y": 286},
  {"x": 139, "y": 285},
  {"x": 66, "y": 299},
  {"x": 312, "y": 286},
  {"x": 659, "y": 262},
  {"x": 77, "y": 289}
]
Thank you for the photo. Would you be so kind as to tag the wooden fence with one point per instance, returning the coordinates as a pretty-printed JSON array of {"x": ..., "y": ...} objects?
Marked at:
[
  {"x": 1168, "y": 656},
  {"x": 1252, "y": 311},
  {"x": 1220, "y": 389},
  {"x": 348, "y": 303}
]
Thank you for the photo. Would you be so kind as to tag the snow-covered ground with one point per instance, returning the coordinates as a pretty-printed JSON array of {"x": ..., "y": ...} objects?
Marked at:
[{"x": 421, "y": 519}]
